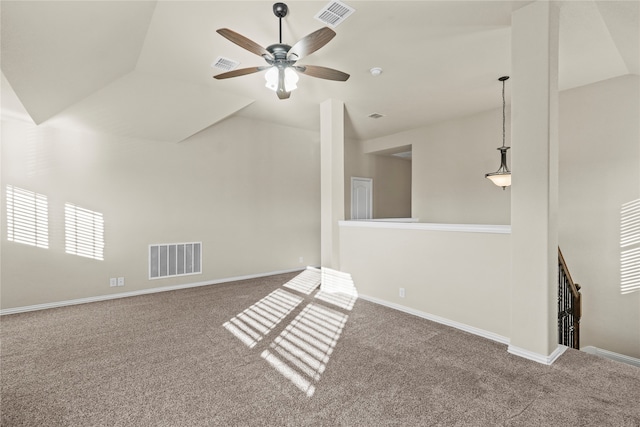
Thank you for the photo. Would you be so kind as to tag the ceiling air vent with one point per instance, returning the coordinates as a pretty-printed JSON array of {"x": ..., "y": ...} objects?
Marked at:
[
  {"x": 225, "y": 64},
  {"x": 375, "y": 115},
  {"x": 334, "y": 13}
]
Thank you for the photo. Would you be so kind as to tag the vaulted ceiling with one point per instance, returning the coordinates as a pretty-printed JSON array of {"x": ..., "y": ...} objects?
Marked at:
[{"x": 144, "y": 68}]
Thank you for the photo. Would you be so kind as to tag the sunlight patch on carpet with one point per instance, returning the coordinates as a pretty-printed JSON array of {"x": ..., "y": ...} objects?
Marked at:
[
  {"x": 301, "y": 352},
  {"x": 337, "y": 289},
  {"x": 255, "y": 322},
  {"x": 290, "y": 374},
  {"x": 305, "y": 282}
]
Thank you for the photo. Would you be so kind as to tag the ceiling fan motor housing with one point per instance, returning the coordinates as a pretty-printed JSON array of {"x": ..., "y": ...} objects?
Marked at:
[{"x": 279, "y": 51}]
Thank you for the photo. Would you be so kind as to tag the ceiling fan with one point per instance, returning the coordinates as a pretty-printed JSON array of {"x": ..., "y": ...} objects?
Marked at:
[{"x": 281, "y": 72}]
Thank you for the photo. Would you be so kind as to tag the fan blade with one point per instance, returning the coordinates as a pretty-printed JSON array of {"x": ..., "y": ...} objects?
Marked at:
[
  {"x": 243, "y": 42},
  {"x": 240, "y": 72},
  {"x": 282, "y": 94},
  {"x": 323, "y": 72},
  {"x": 312, "y": 42}
]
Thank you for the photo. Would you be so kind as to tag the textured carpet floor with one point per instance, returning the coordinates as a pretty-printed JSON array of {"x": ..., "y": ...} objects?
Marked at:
[{"x": 193, "y": 358}]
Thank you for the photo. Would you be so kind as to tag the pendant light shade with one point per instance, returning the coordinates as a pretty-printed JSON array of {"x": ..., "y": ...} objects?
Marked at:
[{"x": 502, "y": 177}]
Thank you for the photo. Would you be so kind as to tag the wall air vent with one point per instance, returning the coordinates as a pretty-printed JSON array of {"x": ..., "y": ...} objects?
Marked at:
[
  {"x": 375, "y": 115},
  {"x": 334, "y": 13},
  {"x": 175, "y": 259},
  {"x": 225, "y": 64}
]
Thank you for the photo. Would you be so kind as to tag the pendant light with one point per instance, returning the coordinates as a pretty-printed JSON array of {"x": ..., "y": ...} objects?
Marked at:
[{"x": 502, "y": 177}]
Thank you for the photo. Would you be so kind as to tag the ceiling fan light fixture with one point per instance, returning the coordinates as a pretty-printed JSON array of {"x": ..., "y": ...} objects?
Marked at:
[
  {"x": 271, "y": 76},
  {"x": 290, "y": 79}
]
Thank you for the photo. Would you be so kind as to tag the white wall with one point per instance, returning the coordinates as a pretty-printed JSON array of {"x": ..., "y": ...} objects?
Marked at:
[
  {"x": 458, "y": 276},
  {"x": 449, "y": 162},
  {"x": 249, "y": 191},
  {"x": 599, "y": 171},
  {"x": 449, "y": 167}
]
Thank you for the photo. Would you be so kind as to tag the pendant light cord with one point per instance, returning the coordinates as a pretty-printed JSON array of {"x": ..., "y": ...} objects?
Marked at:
[{"x": 503, "y": 114}]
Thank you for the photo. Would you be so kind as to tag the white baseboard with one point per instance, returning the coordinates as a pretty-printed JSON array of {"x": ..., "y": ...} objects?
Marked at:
[
  {"x": 611, "y": 355},
  {"x": 536, "y": 357},
  {"x": 137, "y": 293},
  {"x": 471, "y": 329}
]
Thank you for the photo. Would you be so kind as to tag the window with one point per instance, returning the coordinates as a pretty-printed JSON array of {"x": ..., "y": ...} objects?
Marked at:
[
  {"x": 84, "y": 232},
  {"x": 27, "y": 217}
]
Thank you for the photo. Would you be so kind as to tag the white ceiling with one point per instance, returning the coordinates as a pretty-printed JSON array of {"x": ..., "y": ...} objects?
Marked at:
[{"x": 143, "y": 68}]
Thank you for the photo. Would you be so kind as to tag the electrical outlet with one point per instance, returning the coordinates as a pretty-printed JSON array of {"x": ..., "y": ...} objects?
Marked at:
[
  {"x": 120, "y": 281},
  {"x": 301, "y": 260},
  {"x": 401, "y": 292},
  {"x": 113, "y": 282}
]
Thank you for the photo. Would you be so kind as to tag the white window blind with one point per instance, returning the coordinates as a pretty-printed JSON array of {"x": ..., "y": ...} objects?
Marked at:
[
  {"x": 84, "y": 232},
  {"x": 27, "y": 217}
]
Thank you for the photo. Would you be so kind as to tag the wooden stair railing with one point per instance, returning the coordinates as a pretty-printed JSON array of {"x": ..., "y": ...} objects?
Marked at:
[{"x": 569, "y": 306}]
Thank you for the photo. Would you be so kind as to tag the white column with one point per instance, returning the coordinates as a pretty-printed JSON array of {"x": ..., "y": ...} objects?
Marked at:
[
  {"x": 331, "y": 180},
  {"x": 534, "y": 190}
]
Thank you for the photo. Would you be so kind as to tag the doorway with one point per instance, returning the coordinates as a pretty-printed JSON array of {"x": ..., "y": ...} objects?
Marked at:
[{"x": 361, "y": 198}]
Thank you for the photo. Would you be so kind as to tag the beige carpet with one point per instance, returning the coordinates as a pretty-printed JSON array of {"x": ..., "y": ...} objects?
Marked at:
[{"x": 257, "y": 353}]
